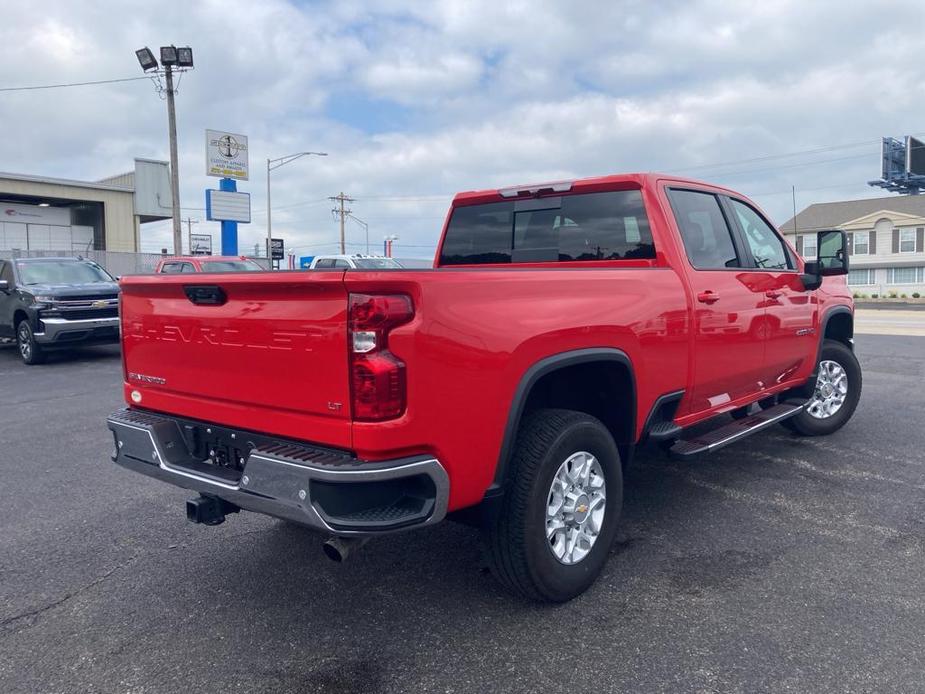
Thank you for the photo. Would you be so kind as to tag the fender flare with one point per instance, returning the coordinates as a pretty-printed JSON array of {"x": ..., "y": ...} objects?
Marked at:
[
  {"x": 824, "y": 324},
  {"x": 542, "y": 368}
]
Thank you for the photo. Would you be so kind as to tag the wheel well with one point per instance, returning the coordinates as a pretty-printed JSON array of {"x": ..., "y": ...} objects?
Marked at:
[
  {"x": 19, "y": 316},
  {"x": 840, "y": 326},
  {"x": 602, "y": 389}
]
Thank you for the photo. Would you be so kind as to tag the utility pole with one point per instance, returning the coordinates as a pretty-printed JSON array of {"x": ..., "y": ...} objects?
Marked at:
[
  {"x": 174, "y": 165},
  {"x": 180, "y": 60},
  {"x": 342, "y": 213}
]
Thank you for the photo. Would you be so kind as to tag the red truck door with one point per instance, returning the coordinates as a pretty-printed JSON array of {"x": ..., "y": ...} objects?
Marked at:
[
  {"x": 789, "y": 308},
  {"x": 728, "y": 351}
]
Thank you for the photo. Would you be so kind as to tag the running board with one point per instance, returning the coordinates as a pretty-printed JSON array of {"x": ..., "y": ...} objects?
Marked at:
[{"x": 735, "y": 430}]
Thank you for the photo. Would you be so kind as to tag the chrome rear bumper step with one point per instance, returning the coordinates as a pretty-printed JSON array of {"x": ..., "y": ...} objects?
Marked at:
[{"x": 735, "y": 430}]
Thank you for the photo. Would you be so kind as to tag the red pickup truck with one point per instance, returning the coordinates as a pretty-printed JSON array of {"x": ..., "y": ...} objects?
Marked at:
[{"x": 562, "y": 326}]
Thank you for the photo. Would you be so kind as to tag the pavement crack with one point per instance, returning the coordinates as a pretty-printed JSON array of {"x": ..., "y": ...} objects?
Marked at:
[{"x": 38, "y": 611}]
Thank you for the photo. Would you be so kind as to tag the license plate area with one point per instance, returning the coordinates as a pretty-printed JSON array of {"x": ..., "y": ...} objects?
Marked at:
[{"x": 216, "y": 451}]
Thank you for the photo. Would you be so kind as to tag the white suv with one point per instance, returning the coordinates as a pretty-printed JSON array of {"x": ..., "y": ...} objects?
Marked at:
[{"x": 356, "y": 262}]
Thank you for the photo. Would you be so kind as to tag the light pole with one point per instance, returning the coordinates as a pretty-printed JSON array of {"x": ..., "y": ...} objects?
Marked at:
[
  {"x": 365, "y": 226},
  {"x": 179, "y": 60},
  {"x": 275, "y": 164}
]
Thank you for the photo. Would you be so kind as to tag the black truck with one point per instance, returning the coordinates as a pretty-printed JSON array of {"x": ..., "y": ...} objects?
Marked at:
[{"x": 56, "y": 303}]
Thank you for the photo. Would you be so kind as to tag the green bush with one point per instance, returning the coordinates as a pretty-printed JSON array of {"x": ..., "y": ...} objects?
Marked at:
[
  {"x": 903, "y": 296},
  {"x": 874, "y": 296},
  {"x": 892, "y": 295},
  {"x": 916, "y": 295}
]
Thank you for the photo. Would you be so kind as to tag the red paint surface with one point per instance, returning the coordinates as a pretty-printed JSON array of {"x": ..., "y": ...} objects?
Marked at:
[{"x": 274, "y": 358}]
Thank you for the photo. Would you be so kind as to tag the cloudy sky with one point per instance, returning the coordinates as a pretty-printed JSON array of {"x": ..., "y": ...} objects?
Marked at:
[{"x": 417, "y": 100}]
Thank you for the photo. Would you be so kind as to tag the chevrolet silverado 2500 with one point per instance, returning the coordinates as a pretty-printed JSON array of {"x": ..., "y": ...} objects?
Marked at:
[{"x": 562, "y": 326}]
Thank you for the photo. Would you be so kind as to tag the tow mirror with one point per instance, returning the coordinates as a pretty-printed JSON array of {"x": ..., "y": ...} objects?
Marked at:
[{"x": 832, "y": 259}]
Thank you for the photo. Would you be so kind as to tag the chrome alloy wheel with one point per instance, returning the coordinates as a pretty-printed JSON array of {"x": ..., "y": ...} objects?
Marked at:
[
  {"x": 575, "y": 507},
  {"x": 25, "y": 341},
  {"x": 831, "y": 390}
]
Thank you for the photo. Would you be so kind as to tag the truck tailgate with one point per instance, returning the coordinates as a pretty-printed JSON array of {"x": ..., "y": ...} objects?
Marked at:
[{"x": 271, "y": 356}]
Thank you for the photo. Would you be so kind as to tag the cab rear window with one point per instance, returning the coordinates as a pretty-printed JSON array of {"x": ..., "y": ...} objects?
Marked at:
[{"x": 582, "y": 227}]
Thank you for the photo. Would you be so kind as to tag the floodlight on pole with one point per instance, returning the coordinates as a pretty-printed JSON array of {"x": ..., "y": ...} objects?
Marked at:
[
  {"x": 172, "y": 59},
  {"x": 185, "y": 57},
  {"x": 275, "y": 164},
  {"x": 169, "y": 56},
  {"x": 146, "y": 59}
]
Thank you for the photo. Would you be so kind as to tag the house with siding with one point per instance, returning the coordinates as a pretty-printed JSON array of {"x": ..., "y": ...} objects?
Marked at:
[{"x": 886, "y": 240}]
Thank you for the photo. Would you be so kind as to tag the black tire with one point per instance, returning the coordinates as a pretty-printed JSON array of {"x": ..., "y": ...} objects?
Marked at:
[
  {"x": 808, "y": 425},
  {"x": 29, "y": 350},
  {"x": 518, "y": 550}
]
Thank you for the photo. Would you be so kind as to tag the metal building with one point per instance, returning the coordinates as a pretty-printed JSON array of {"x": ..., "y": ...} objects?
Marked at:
[{"x": 39, "y": 213}]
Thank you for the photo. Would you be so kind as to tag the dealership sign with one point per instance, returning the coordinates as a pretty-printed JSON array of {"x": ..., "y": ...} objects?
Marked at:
[
  {"x": 200, "y": 244},
  {"x": 226, "y": 155},
  {"x": 228, "y": 206}
]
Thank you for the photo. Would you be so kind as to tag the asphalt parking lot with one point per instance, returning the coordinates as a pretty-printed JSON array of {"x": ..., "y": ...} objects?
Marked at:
[{"x": 780, "y": 564}]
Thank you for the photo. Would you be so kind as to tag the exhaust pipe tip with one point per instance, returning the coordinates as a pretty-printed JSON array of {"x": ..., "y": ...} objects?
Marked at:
[{"x": 338, "y": 549}]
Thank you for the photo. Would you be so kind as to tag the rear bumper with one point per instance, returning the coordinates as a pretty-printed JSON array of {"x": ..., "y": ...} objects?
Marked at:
[
  {"x": 321, "y": 488},
  {"x": 61, "y": 331}
]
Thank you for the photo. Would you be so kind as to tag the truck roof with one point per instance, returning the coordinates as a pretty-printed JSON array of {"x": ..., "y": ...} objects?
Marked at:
[{"x": 564, "y": 185}]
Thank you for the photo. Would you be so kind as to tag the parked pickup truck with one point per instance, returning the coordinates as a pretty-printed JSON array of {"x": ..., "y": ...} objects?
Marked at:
[
  {"x": 57, "y": 303},
  {"x": 562, "y": 326},
  {"x": 206, "y": 263}
]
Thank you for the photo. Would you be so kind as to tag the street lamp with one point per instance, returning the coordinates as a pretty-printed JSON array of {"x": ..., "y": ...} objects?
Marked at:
[
  {"x": 365, "y": 226},
  {"x": 179, "y": 60},
  {"x": 275, "y": 164}
]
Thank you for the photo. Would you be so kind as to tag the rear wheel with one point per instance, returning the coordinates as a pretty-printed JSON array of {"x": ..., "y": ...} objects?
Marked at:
[
  {"x": 560, "y": 511},
  {"x": 836, "y": 395},
  {"x": 29, "y": 349}
]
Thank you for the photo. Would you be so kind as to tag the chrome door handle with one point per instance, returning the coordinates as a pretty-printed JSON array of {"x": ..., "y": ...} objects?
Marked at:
[{"x": 707, "y": 297}]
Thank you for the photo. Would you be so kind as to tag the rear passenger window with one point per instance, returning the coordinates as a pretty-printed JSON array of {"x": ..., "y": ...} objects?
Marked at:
[
  {"x": 706, "y": 235},
  {"x": 590, "y": 226},
  {"x": 324, "y": 263}
]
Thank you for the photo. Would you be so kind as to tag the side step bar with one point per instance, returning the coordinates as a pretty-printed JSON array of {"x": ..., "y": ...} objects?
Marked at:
[{"x": 735, "y": 430}]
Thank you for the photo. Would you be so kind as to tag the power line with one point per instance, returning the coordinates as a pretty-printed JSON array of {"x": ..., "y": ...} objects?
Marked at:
[{"x": 72, "y": 84}]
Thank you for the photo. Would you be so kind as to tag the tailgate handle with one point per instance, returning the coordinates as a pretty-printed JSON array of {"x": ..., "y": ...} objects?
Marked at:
[{"x": 205, "y": 294}]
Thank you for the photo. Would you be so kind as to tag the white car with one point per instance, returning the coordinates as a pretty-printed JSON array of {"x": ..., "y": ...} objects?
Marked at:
[{"x": 356, "y": 262}]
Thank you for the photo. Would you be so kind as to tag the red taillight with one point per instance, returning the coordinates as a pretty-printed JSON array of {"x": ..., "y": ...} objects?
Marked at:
[{"x": 377, "y": 375}]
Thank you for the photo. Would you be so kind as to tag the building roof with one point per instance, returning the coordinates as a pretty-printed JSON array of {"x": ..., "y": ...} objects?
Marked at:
[
  {"x": 63, "y": 182},
  {"x": 829, "y": 215}
]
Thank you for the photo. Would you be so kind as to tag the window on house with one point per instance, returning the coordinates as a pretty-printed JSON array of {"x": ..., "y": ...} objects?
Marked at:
[
  {"x": 861, "y": 243},
  {"x": 809, "y": 245},
  {"x": 907, "y": 240},
  {"x": 906, "y": 275},
  {"x": 860, "y": 276}
]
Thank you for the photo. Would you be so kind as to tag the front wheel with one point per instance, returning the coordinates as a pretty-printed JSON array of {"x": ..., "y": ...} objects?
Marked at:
[
  {"x": 560, "y": 511},
  {"x": 29, "y": 349},
  {"x": 836, "y": 395}
]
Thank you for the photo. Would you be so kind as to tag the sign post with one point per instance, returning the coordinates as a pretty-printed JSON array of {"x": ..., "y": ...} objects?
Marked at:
[
  {"x": 226, "y": 157},
  {"x": 277, "y": 251}
]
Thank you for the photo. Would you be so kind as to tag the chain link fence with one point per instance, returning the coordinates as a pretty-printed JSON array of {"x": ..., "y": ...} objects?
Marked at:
[{"x": 116, "y": 263}]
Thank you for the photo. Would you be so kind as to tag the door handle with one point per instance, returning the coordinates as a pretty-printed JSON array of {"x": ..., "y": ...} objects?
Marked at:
[
  {"x": 707, "y": 297},
  {"x": 771, "y": 294}
]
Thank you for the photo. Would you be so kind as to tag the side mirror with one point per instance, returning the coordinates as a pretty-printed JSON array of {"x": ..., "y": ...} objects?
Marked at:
[
  {"x": 832, "y": 259},
  {"x": 5, "y": 286},
  {"x": 833, "y": 253}
]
